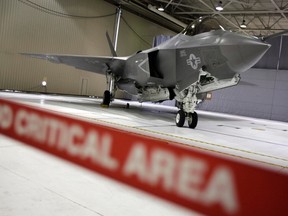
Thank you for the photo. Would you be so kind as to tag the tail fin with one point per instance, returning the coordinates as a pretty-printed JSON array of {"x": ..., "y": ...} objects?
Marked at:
[{"x": 112, "y": 49}]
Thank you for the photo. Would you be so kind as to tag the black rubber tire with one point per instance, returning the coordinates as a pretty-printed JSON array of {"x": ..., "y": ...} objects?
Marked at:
[
  {"x": 192, "y": 120},
  {"x": 106, "y": 98},
  {"x": 180, "y": 118}
]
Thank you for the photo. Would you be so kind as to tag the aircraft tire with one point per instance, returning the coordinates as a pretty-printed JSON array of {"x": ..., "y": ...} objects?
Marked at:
[
  {"x": 106, "y": 98},
  {"x": 180, "y": 118},
  {"x": 192, "y": 120}
]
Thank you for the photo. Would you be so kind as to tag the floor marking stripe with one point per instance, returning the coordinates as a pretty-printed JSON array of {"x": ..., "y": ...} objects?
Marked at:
[
  {"x": 198, "y": 141},
  {"x": 189, "y": 139}
]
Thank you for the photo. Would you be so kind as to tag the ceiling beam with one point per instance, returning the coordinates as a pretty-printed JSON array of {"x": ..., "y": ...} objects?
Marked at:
[
  {"x": 272, "y": 15},
  {"x": 228, "y": 20},
  {"x": 138, "y": 9},
  {"x": 279, "y": 10},
  {"x": 181, "y": 5},
  {"x": 259, "y": 29},
  {"x": 277, "y": 21}
]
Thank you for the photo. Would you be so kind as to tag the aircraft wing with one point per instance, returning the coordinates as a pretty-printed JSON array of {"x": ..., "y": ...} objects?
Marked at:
[{"x": 97, "y": 64}]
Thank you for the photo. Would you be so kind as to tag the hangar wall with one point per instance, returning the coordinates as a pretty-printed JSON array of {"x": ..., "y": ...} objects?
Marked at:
[{"x": 49, "y": 27}]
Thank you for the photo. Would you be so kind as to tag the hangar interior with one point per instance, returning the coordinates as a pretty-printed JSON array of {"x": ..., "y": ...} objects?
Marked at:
[
  {"x": 49, "y": 186},
  {"x": 74, "y": 27},
  {"x": 79, "y": 28}
]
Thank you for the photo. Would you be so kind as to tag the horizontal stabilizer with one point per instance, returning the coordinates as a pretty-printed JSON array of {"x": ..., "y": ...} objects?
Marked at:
[{"x": 96, "y": 64}]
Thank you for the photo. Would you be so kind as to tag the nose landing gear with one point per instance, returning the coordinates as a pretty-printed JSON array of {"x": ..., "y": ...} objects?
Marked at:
[
  {"x": 192, "y": 120},
  {"x": 187, "y": 102},
  {"x": 180, "y": 118}
]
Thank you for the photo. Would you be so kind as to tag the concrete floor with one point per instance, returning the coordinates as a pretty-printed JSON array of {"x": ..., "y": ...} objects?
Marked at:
[{"x": 34, "y": 183}]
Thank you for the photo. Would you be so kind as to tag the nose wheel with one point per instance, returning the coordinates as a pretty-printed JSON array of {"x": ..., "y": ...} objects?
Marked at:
[{"x": 192, "y": 119}]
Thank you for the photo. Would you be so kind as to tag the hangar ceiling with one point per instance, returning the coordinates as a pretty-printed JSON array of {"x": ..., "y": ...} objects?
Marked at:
[{"x": 262, "y": 17}]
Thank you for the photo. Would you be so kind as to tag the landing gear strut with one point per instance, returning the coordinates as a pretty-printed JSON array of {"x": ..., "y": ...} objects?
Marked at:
[
  {"x": 187, "y": 98},
  {"x": 187, "y": 102}
]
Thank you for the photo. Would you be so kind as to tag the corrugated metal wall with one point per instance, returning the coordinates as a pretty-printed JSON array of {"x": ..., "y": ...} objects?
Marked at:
[{"x": 27, "y": 26}]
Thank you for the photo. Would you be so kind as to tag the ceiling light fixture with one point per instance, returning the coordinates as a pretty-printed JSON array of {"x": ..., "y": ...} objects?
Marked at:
[
  {"x": 219, "y": 6},
  {"x": 167, "y": 16},
  {"x": 160, "y": 8},
  {"x": 243, "y": 25}
]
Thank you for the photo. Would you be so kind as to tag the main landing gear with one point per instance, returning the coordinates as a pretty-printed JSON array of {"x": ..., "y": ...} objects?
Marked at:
[
  {"x": 109, "y": 95},
  {"x": 191, "y": 117},
  {"x": 106, "y": 99}
]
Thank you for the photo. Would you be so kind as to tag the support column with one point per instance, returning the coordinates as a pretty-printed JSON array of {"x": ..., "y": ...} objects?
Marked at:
[
  {"x": 111, "y": 84},
  {"x": 117, "y": 26}
]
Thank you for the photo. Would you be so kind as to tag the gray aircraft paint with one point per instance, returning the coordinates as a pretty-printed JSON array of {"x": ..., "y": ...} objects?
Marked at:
[{"x": 203, "y": 54}]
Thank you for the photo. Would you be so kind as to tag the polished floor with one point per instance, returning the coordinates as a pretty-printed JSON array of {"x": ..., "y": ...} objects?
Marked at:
[{"x": 33, "y": 183}]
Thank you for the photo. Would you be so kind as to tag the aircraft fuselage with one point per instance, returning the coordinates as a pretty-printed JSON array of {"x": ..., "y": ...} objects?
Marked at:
[{"x": 178, "y": 60}]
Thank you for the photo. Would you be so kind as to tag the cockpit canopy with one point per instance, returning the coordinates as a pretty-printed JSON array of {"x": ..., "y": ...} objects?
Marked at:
[{"x": 202, "y": 25}]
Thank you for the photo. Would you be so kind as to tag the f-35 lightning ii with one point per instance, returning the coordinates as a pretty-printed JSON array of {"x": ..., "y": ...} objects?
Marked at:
[{"x": 202, "y": 58}]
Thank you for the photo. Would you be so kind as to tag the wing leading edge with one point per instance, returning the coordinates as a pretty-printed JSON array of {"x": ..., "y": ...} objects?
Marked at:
[{"x": 96, "y": 64}]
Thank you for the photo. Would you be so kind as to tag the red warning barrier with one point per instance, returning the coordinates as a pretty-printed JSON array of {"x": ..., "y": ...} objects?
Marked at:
[{"x": 197, "y": 180}]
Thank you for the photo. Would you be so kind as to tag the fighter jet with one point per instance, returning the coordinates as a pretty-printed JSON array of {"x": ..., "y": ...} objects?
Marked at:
[{"x": 202, "y": 58}]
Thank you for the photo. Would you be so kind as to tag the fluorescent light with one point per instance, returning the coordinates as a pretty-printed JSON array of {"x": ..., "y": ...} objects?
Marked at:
[
  {"x": 243, "y": 25},
  {"x": 160, "y": 9},
  {"x": 167, "y": 16},
  {"x": 219, "y": 6}
]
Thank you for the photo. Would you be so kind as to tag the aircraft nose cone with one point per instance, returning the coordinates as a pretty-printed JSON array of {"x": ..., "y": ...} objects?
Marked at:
[{"x": 242, "y": 52}]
